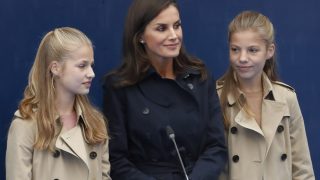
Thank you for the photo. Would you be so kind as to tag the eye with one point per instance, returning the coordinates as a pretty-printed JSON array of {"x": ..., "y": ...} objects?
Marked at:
[
  {"x": 82, "y": 66},
  {"x": 253, "y": 50},
  {"x": 234, "y": 49},
  {"x": 177, "y": 25},
  {"x": 161, "y": 28}
]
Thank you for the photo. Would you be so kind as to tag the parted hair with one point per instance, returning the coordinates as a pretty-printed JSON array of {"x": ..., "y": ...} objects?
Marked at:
[{"x": 38, "y": 102}]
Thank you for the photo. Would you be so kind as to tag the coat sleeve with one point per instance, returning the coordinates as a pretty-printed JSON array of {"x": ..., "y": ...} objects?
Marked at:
[
  {"x": 21, "y": 138},
  {"x": 213, "y": 159},
  {"x": 105, "y": 162},
  {"x": 301, "y": 161},
  {"x": 114, "y": 110}
]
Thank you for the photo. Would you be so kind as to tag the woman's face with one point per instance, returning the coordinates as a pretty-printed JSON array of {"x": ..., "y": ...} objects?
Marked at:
[
  {"x": 248, "y": 53},
  {"x": 162, "y": 37},
  {"x": 75, "y": 73}
]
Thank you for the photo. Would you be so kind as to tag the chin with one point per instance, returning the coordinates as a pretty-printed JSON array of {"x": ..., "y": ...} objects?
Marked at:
[{"x": 84, "y": 92}]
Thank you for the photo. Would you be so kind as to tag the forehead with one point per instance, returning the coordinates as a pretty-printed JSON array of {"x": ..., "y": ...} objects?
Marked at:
[
  {"x": 83, "y": 52},
  {"x": 169, "y": 14},
  {"x": 246, "y": 37}
]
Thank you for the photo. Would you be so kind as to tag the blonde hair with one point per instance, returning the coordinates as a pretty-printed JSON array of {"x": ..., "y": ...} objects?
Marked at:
[
  {"x": 257, "y": 22},
  {"x": 39, "y": 95}
]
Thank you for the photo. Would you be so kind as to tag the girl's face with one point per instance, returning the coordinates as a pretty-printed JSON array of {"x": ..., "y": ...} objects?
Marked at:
[
  {"x": 163, "y": 35},
  {"x": 75, "y": 73},
  {"x": 248, "y": 53}
]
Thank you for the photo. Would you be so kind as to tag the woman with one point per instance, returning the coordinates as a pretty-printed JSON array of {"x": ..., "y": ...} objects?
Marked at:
[
  {"x": 159, "y": 86},
  {"x": 264, "y": 125},
  {"x": 56, "y": 133}
]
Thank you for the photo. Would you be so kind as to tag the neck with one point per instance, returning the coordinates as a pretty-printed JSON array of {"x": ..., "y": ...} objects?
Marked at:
[
  {"x": 251, "y": 86},
  {"x": 65, "y": 104},
  {"x": 164, "y": 67}
]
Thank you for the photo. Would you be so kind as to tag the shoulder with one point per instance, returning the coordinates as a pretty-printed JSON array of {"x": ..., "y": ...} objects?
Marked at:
[
  {"x": 22, "y": 130},
  {"x": 22, "y": 126},
  {"x": 284, "y": 91},
  {"x": 283, "y": 86}
]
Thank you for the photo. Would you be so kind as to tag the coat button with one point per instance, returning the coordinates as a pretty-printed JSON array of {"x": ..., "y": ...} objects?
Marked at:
[
  {"x": 280, "y": 128},
  {"x": 145, "y": 111},
  {"x": 93, "y": 155},
  {"x": 283, "y": 157},
  {"x": 56, "y": 154},
  {"x": 234, "y": 130},
  {"x": 190, "y": 86},
  {"x": 235, "y": 158}
]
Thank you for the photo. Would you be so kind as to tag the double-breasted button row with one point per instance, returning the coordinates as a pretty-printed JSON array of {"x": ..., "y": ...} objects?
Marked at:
[
  {"x": 56, "y": 154},
  {"x": 234, "y": 129},
  {"x": 236, "y": 158}
]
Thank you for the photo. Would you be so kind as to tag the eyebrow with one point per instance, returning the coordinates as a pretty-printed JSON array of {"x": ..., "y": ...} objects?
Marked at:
[
  {"x": 87, "y": 61},
  {"x": 178, "y": 21}
]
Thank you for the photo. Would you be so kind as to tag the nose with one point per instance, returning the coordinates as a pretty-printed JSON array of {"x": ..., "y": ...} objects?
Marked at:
[
  {"x": 173, "y": 34},
  {"x": 243, "y": 56},
  {"x": 90, "y": 73}
]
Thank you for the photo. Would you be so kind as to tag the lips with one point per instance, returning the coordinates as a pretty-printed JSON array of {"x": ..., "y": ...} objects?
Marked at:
[
  {"x": 88, "y": 83},
  {"x": 172, "y": 46},
  {"x": 243, "y": 68}
]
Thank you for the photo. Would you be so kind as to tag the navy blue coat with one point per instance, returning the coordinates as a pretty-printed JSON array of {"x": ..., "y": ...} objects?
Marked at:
[{"x": 138, "y": 115}]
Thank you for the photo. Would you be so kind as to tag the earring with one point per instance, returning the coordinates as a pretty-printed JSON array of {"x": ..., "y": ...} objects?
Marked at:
[
  {"x": 52, "y": 83},
  {"x": 141, "y": 41}
]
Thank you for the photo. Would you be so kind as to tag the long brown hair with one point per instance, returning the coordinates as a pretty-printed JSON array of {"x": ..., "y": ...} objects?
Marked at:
[
  {"x": 135, "y": 60},
  {"x": 39, "y": 96},
  {"x": 246, "y": 20}
]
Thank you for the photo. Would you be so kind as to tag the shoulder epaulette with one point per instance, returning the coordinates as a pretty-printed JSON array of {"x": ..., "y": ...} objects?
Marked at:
[{"x": 284, "y": 85}]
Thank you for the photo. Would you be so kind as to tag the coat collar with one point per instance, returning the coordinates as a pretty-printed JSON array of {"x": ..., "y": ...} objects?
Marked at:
[
  {"x": 151, "y": 71},
  {"x": 73, "y": 142},
  {"x": 274, "y": 108},
  {"x": 267, "y": 89},
  {"x": 156, "y": 95}
]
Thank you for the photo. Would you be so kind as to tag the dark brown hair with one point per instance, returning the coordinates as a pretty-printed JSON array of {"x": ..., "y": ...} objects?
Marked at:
[{"x": 135, "y": 60}]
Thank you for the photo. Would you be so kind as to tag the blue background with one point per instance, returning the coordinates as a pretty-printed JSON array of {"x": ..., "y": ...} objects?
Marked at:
[{"x": 297, "y": 24}]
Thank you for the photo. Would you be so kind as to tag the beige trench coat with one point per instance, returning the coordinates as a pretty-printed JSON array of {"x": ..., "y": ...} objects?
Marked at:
[
  {"x": 276, "y": 151},
  {"x": 74, "y": 159}
]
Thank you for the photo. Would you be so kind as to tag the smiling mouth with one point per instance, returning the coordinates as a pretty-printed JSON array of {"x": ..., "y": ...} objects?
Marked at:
[
  {"x": 172, "y": 46},
  {"x": 87, "y": 83},
  {"x": 244, "y": 68}
]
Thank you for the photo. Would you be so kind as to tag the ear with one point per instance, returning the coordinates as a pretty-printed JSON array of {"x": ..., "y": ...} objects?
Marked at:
[
  {"x": 55, "y": 68},
  {"x": 271, "y": 50},
  {"x": 141, "y": 39}
]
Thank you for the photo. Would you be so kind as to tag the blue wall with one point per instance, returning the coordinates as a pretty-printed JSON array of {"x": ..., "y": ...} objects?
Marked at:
[{"x": 23, "y": 23}]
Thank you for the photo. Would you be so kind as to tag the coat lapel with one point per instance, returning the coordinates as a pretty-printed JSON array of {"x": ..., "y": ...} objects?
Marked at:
[
  {"x": 247, "y": 122},
  {"x": 73, "y": 142},
  {"x": 272, "y": 114}
]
